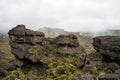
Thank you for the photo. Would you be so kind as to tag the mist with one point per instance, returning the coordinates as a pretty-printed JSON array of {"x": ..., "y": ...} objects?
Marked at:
[{"x": 71, "y": 15}]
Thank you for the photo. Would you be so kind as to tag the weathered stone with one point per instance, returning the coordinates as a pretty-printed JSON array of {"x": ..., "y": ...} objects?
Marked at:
[
  {"x": 117, "y": 71},
  {"x": 108, "y": 46},
  {"x": 113, "y": 66},
  {"x": 110, "y": 77},
  {"x": 18, "y": 53},
  {"x": 20, "y": 34},
  {"x": 91, "y": 64},
  {"x": 19, "y": 30},
  {"x": 33, "y": 33},
  {"x": 33, "y": 46},
  {"x": 18, "y": 62},
  {"x": 67, "y": 40},
  {"x": 86, "y": 77}
]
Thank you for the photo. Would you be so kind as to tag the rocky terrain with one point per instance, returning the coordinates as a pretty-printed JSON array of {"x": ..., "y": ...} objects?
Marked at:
[
  {"x": 85, "y": 41},
  {"x": 36, "y": 48},
  {"x": 32, "y": 48},
  {"x": 64, "y": 57},
  {"x": 109, "y": 47}
]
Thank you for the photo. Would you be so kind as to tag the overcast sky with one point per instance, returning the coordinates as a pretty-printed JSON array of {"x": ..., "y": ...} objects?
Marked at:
[{"x": 71, "y": 15}]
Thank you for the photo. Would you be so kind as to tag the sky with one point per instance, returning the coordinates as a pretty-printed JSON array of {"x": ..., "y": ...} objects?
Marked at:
[{"x": 71, "y": 15}]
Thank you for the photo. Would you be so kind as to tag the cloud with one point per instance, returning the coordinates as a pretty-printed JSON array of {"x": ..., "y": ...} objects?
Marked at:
[{"x": 71, "y": 15}]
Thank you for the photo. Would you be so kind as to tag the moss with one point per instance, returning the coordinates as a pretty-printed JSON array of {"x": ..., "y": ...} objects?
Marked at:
[
  {"x": 50, "y": 48},
  {"x": 25, "y": 69},
  {"x": 97, "y": 72},
  {"x": 40, "y": 51},
  {"x": 66, "y": 39},
  {"x": 64, "y": 67},
  {"x": 61, "y": 70},
  {"x": 95, "y": 55},
  {"x": 60, "y": 67}
]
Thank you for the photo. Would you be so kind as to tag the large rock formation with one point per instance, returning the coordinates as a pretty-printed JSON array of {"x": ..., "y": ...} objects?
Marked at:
[
  {"x": 33, "y": 46},
  {"x": 108, "y": 46}
]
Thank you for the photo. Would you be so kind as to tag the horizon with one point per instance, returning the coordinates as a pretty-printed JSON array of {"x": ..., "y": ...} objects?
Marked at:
[{"x": 5, "y": 32}]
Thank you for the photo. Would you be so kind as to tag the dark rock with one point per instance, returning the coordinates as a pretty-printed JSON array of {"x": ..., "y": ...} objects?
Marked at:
[
  {"x": 110, "y": 77},
  {"x": 117, "y": 71},
  {"x": 18, "y": 53},
  {"x": 113, "y": 67},
  {"x": 94, "y": 63},
  {"x": 10, "y": 68},
  {"x": 18, "y": 62},
  {"x": 20, "y": 34},
  {"x": 34, "y": 47},
  {"x": 2, "y": 73},
  {"x": 86, "y": 77},
  {"x": 19, "y": 30},
  {"x": 67, "y": 40},
  {"x": 108, "y": 46},
  {"x": 33, "y": 33}
]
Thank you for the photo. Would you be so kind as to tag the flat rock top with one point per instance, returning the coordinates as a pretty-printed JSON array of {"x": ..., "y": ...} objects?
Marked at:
[
  {"x": 108, "y": 45},
  {"x": 67, "y": 40},
  {"x": 108, "y": 38},
  {"x": 20, "y": 30}
]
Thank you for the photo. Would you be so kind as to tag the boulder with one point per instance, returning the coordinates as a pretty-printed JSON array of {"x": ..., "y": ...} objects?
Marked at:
[
  {"x": 19, "y": 30},
  {"x": 108, "y": 46},
  {"x": 67, "y": 40},
  {"x": 113, "y": 66}
]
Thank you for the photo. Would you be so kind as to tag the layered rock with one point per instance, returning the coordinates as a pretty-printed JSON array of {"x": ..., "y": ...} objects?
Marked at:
[
  {"x": 22, "y": 39},
  {"x": 67, "y": 40},
  {"x": 108, "y": 46},
  {"x": 33, "y": 46}
]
